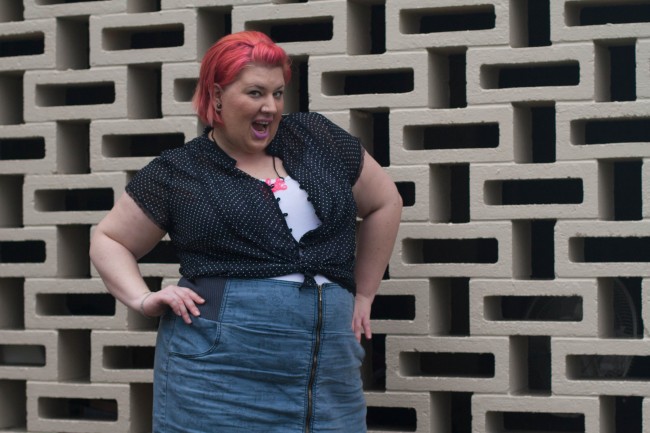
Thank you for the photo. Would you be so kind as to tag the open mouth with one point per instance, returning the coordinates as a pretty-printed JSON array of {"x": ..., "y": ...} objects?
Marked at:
[{"x": 261, "y": 129}]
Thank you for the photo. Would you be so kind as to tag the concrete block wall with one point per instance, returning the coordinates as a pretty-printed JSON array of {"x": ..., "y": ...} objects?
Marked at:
[{"x": 516, "y": 130}]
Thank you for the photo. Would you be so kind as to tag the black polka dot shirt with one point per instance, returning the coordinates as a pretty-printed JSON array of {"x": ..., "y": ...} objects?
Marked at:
[{"x": 223, "y": 222}]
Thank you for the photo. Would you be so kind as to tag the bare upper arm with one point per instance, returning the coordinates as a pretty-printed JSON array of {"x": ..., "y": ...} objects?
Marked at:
[
  {"x": 128, "y": 225},
  {"x": 374, "y": 188}
]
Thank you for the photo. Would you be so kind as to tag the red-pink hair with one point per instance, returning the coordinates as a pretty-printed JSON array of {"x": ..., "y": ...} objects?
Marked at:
[{"x": 225, "y": 60}]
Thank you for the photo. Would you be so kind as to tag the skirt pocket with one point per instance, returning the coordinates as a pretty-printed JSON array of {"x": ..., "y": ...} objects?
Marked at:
[{"x": 195, "y": 340}]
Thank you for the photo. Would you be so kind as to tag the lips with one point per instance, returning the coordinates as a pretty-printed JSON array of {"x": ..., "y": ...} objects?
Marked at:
[{"x": 261, "y": 129}]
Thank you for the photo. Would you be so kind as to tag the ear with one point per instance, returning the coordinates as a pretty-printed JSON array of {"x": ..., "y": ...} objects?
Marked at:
[{"x": 217, "y": 93}]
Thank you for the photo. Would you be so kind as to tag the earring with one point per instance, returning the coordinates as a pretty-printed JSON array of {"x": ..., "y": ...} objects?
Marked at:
[{"x": 219, "y": 106}]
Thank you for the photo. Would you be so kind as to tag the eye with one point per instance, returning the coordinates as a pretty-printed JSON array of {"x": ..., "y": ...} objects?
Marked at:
[
  {"x": 255, "y": 93},
  {"x": 279, "y": 94}
]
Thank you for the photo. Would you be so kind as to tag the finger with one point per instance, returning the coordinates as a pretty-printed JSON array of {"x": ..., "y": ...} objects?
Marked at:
[{"x": 368, "y": 330}]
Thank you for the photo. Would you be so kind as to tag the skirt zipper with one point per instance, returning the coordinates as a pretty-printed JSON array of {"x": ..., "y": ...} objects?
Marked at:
[{"x": 314, "y": 361}]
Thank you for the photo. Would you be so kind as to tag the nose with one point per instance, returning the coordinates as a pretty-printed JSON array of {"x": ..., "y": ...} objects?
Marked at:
[{"x": 269, "y": 105}]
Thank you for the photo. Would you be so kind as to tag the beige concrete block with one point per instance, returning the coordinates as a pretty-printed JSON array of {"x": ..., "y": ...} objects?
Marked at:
[
  {"x": 419, "y": 292},
  {"x": 29, "y": 355},
  {"x": 404, "y": 366},
  {"x": 41, "y": 53},
  {"x": 29, "y": 251},
  {"x": 603, "y": 371},
  {"x": 46, "y": 299},
  {"x": 484, "y": 65},
  {"x": 403, "y": 21},
  {"x": 565, "y": 22},
  {"x": 412, "y": 143},
  {"x": 117, "y": 357},
  {"x": 643, "y": 68},
  {"x": 486, "y": 317},
  {"x": 420, "y": 403},
  {"x": 98, "y": 93},
  {"x": 178, "y": 84},
  {"x": 570, "y": 250},
  {"x": 46, "y": 197},
  {"x": 265, "y": 18},
  {"x": 494, "y": 240},
  {"x": 47, "y": 9},
  {"x": 117, "y": 145},
  {"x": 488, "y": 410},
  {"x": 486, "y": 180},
  {"x": 329, "y": 73},
  {"x": 178, "y": 4},
  {"x": 45, "y": 414},
  {"x": 419, "y": 175},
  {"x": 574, "y": 119},
  {"x": 34, "y": 147},
  {"x": 112, "y": 36}
]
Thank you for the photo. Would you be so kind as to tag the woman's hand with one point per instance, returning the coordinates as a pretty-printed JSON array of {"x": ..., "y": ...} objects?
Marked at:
[
  {"x": 181, "y": 300},
  {"x": 361, "y": 317}
]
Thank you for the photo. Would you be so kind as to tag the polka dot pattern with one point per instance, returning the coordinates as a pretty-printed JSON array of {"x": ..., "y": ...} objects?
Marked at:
[{"x": 224, "y": 222}]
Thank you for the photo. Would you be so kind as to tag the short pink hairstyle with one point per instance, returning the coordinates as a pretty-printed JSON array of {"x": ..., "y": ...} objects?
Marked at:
[{"x": 223, "y": 63}]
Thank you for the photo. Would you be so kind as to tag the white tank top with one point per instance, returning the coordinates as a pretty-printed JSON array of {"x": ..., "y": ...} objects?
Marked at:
[{"x": 299, "y": 214}]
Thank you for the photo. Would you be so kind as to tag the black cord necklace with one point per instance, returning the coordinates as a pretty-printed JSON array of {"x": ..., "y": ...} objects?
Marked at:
[{"x": 276, "y": 170}]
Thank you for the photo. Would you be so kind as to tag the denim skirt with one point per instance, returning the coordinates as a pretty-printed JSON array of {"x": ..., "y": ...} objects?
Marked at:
[{"x": 264, "y": 356}]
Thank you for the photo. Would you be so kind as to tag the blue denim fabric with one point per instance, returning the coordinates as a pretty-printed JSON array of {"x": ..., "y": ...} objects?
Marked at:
[{"x": 249, "y": 370}]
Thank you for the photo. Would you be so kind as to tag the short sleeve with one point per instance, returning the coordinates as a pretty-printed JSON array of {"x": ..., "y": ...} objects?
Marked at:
[
  {"x": 150, "y": 188},
  {"x": 349, "y": 149}
]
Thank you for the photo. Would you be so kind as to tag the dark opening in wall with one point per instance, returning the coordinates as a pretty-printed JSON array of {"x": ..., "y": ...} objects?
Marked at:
[
  {"x": 628, "y": 190},
  {"x": 540, "y": 75},
  {"x": 12, "y": 310},
  {"x": 75, "y": 304},
  {"x": 449, "y": 198},
  {"x": 534, "y": 308},
  {"x": 163, "y": 252},
  {"x": 303, "y": 30},
  {"x": 378, "y": 28},
  {"x": 381, "y": 138},
  {"x": 184, "y": 89},
  {"x": 77, "y": 409},
  {"x": 603, "y": 131},
  {"x": 458, "y": 80},
  {"x": 138, "y": 145},
  {"x": 543, "y": 134},
  {"x": 459, "y": 306},
  {"x": 163, "y": 36},
  {"x": 480, "y": 250},
  {"x": 73, "y": 32},
  {"x": 368, "y": 82},
  {"x": 407, "y": 192},
  {"x": 67, "y": 200},
  {"x": 542, "y": 251},
  {"x": 441, "y": 364},
  {"x": 539, "y": 23},
  {"x": 622, "y": 315},
  {"x": 461, "y": 411},
  {"x": 439, "y": 20},
  {"x": 22, "y": 45},
  {"x": 366, "y": 27},
  {"x": 145, "y": 100},
  {"x": 22, "y": 148},
  {"x": 538, "y": 421},
  {"x": 11, "y": 10},
  {"x": 22, "y": 355},
  {"x": 611, "y": 249},
  {"x": 598, "y": 367},
  {"x": 53, "y": 95},
  {"x": 384, "y": 418},
  {"x": 393, "y": 307},
  {"x": 457, "y": 136},
  {"x": 622, "y": 82},
  {"x": 127, "y": 357},
  {"x": 539, "y": 364},
  {"x": 533, "y": 191},
  {"x": 374, "y": 365},
  {"x": 11, "y": 99},
  {"x": 22, "y": 252},
  {"x": 628, "y": 414},
  {"x": 73, "y": 141},
  {"x": 580, "y": 14}
]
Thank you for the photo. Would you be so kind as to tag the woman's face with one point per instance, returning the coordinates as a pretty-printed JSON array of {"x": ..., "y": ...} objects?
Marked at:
[{"x": 251, "y": 110}]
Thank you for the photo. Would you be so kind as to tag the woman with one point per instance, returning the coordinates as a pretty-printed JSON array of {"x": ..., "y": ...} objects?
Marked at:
[{"x": 262, "y": 333}]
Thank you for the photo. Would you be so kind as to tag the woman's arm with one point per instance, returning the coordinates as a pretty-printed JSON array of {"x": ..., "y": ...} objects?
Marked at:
[
  {"x": 119, "y": 240},
  {"x": 380, "y": 207}
]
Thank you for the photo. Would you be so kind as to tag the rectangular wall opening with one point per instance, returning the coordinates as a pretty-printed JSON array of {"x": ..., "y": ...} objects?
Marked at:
[
  {"x": 479, "y": 250},
  {"x": 586, "y": 14},
  {"x": 602, "y": 249},
  {"x": 548, "y": 422},
  {"x": 22, "y": 355},
  {"x": 407, "y": 192},
  {"x": 393, "y": 307},
  {"x": 22, "y": 148},
  {"x": 297, "y": 30},
  {"x": 448, "y": 19},
  {"x": 140, "y": 145},
  {"x": 11, "y": 99},
  {"x": 533, "y": 75},
  {"x": 22, "y": 252},
  {"x": 530, "y": 23},
  {"x": 457, "y": 136},
  {"x": 73, "y": 243},
  {"x": 12, "y": 298},
  {"x": 70, "y": 200},
  {"x": 160, "y": 36},
  {"x": 533, "y": 192},
  {"x": 73, "y": 147},
  {"x": 368, "y": 82},
  {"x": 13, "y": 401},
  {"x": 11, "y": 10},
  {"x": 383, "y": 418},
  {"x": 611, "y": 131},
  {"x": 163, "y": 252},
  {"x": 22, "y": 45},
  {"x": 539, "y": 364},
  {"x": 75, "y": 304},
  {"x": 184, "y": 89},
  {"x": 73, "y": 32},
  {"x": 608, "y": 367},
  {"x": 534, "y": 308},
  {"x": 442, "y": 364},
  {"x": 620, "y": 303},
  {"x": 128, "y": 357},
  {"x": 449, "y": 201},
  {"x": 77, "y": 409},
  {"x": 59, "y": 95},
  {"x": 11, "y": 191}
]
